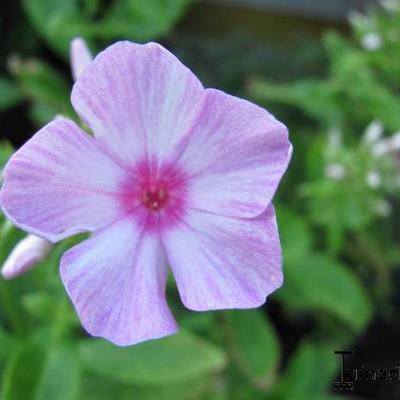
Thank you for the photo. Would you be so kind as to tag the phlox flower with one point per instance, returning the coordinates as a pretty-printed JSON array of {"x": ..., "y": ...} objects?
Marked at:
[{"x": 174, "y": 175}]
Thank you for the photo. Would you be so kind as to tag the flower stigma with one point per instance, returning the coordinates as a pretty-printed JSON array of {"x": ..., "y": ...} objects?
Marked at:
[{"x": 154, "y": 197}]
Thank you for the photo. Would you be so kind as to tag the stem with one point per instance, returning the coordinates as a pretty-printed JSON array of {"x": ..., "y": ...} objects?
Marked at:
[
  {"x": 370, "y": 251},
  {"x": 11, "y": 306},
  {"x": 237, "y": 358},
  {"x": 60, "y": 324},
  {"x": 12, "y": 309}
]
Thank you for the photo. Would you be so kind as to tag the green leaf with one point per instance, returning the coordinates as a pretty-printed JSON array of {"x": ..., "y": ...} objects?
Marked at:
[
  {"x": 316, "y": 98},
  {"x": 60, "y": 379},
  {"x": 141, "y": 20},
  {"x": 41, "y": 305},
  {"x": 318, "y": 282},
  {"x": 56, "y": 14},
  {"x": 39, "y": 369},
  {"x": 6, "y": 151},
  {"x": 42, "y": 84},
  {"x": 129, "y": 19},
  {"x": 175, "y": 358},
  {"x": 10, "y": 95},
  {"x": 310, "y": 373},
  {"x": 96, "y": 388},
  {"x": 192, "y": 389},
  {"x": 7, "y": 342},
  {"x": 254, "y": 345},
  {"x": 22, "y": 372},
  {"x": 295, "y": 234},
  {"x": 10, "y": 290}
]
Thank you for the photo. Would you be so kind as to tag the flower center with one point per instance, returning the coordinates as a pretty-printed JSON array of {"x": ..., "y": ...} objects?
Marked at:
[{"x": 154, "y": 197}]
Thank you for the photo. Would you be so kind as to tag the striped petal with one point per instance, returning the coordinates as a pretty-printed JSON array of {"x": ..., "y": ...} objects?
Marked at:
[
  {"x": 117, "y": 281},
  {"x": 138, "y": 99},
  {"x": 221, "y": 262},
  {"x": 61, "y": 183},
  {"x": 236, "y": 154}
]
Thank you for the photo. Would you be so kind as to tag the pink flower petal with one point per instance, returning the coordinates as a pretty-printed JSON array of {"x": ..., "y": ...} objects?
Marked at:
[
  {"x": 117, "y": 281},
  {"x": 80, "y": 57},
  {"x": 237, "y": 153},
  {"x": 221, "y": 262},
  {"x": 61, "y": 183},
  {"x": 139, "y": 99}
]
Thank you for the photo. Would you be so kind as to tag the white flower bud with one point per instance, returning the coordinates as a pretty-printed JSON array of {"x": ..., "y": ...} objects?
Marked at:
[
  {"x": 25, "y": 255},
  {"x": 373, "y": 179},
  {"x": 80, "y": 57},
  {"x": 395, "y": 141},
  {"x": 381, "y": 147},
  {"x": 335, "y": 171},
  {"x": 371, "y": 41},
  {"x": 390, "y": 5},
  {"x": 373, "y": 131}
]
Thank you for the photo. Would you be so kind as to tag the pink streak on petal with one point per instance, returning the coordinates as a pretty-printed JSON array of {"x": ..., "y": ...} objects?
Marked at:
[
  {"x": 222, "y": 263},
  {"x": 61, "y": 183},
  {"x": 80, "y": 57},
  {"x": 25, "y": 255},
  {"x": 117, "y": 280},
  {"x": 236, "y": 154},
  {"x": 138, "y": 99}
]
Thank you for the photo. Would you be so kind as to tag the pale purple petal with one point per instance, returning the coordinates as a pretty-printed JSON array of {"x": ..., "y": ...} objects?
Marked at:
[
  {"x": 25, "y": 255},
  {"x": 117, "y": 281},
  {"x": 220, "y": 262},
  {"x": 139, "y": 99},
  {"x": 61, "y": 183},
  {"x": 80, "y": 57},
  {"x": 236, "y": 153}
]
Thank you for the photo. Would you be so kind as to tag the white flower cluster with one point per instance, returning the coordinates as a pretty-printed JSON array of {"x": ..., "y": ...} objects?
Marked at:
[
  {"x": 379, "y": 151},
  {"x": 372, "y": 41}
]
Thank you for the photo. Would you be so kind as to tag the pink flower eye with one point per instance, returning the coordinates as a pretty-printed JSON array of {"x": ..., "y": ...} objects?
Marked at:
[{"x": 154, "y": 197}]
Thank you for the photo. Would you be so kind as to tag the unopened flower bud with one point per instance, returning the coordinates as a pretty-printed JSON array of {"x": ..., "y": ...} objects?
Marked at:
[
  {"x": 373, "y": 179},
  {"x": 373, "y": 132},
  {"x": 395, "y": 141},
  {"x": 25, "y": 255},
  {"x": 372, "y": 41},
  {"x": 381, "y": 147},
  {"x": 80, "y": 57}
]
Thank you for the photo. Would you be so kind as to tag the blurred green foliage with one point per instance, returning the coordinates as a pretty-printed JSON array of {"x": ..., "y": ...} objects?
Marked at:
[
  {"x": 336, "y": 212},
  {"x": 124, "y": 19}
]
